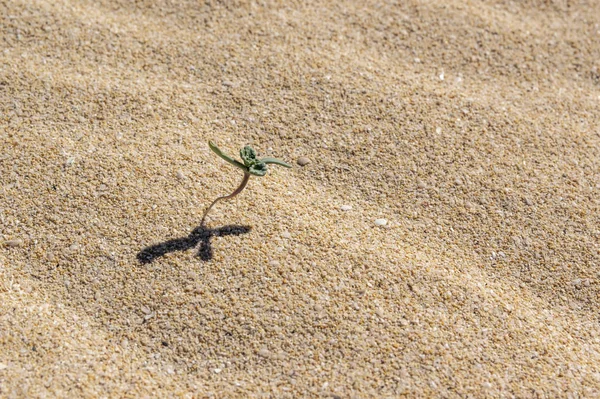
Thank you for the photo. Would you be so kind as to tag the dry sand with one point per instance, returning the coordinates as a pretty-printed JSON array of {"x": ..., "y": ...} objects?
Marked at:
[{"x": 471, "y": 127}]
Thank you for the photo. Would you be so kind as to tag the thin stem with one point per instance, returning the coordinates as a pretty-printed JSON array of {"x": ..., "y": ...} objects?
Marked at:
[{"x": 236, "y": 192}]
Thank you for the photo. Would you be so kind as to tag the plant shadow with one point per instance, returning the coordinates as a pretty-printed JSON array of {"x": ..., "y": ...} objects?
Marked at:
[{"x": 200, "y": 237}]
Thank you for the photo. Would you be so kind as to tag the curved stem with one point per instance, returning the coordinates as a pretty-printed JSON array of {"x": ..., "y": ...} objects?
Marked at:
[{"x": 236, "y": 192}]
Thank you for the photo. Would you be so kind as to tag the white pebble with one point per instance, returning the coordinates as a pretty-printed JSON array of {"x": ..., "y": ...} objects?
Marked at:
[
  {"x": 346, "y": 207},
  {"x": 303, "y": 161},
  {"x": 264, "y": 352},
  {"x": 286, "y": 234},
  {"x": 14, "y": 243},
  {"x": 380, "y": 222}
]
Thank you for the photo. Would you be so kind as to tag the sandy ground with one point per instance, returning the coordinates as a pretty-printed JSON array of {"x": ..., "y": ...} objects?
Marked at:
[{"x": 471, "y": 127}]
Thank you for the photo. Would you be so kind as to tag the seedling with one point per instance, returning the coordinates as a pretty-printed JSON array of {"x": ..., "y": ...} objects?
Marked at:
[{"x": 251, "y": 166}]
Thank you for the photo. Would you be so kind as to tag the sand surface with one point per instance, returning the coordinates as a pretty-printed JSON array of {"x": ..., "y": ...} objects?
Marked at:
[{"x": 472, "y": 127}]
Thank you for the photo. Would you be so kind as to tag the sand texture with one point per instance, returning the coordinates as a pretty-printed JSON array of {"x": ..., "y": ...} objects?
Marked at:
[{"x": 443, "y": 239}]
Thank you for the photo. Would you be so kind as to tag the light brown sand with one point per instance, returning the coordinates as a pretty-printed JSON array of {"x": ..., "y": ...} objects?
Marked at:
[{"x": 472, "y": 127}]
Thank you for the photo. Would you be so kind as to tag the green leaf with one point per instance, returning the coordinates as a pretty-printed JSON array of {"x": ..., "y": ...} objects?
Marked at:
[
  {"x": 248, "y": 156},
  {"x": 227, "y": 158},
  {"x": 276, "y": 162},
  {"x": 258, "y": 169}
]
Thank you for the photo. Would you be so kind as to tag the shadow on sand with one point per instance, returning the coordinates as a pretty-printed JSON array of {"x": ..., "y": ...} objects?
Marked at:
[{"x": 200, "y": 237}]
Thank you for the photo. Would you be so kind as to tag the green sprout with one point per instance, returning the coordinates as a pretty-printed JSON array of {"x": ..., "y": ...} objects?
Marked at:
[{"x": 251, "y": 166}]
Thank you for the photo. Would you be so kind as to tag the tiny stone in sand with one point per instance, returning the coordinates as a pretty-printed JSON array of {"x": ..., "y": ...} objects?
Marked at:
[
  {"x": 303, "y": 161},
  {"x": 14, "y": 243},
  {"x": 380, "y": 222},
  {"x": 264, "y": 352},
  {"x": 346, "y": 207}
]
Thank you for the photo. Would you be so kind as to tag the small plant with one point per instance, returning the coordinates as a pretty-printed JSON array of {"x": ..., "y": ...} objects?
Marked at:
[{"x": 251, "y": 166}]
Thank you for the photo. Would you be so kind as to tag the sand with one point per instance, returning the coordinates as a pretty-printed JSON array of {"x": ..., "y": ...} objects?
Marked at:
[{"x": 472, "y": 128}]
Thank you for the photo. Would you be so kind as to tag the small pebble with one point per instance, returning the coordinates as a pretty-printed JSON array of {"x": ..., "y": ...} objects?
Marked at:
[
  {"x": 286, "y": 234},
  {"x": 346, "y": 207},
  {"x": 180, "y": 175},
  {"x": 274, "y": 263},
  {"x": 380, "y": 222},
  {"x": 264, "y": 352},
  {"x": 14, "y": 243},
  {"x": 303, "y": 161}
]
